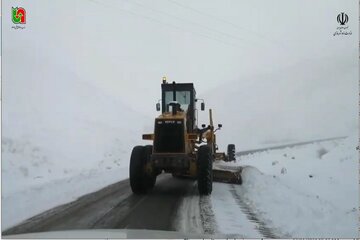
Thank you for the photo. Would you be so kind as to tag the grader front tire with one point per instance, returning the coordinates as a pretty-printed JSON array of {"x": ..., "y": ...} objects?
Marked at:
[{"x": 231, "y": 152}]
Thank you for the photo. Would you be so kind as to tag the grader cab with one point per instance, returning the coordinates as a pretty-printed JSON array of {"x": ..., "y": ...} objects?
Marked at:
[{"x": 179, "y": 146}]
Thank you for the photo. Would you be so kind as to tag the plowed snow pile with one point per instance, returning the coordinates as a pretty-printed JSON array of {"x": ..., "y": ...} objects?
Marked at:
[{"x": 305, "y": 191}]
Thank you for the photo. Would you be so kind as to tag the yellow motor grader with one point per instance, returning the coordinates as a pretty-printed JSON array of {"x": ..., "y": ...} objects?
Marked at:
[{"x": 179, "y": 146}]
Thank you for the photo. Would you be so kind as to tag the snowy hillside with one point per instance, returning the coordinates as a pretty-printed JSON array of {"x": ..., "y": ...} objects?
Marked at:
[
  {"x": 305, "y": 191},
  {"x": 71, "y": 130},
  {"x": 58, "y": 127},
  {"x": 296, "y": 103}
]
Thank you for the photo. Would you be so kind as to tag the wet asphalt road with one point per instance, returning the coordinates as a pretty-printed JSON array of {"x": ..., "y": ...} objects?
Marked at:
[{"x": 115, "y": 207}]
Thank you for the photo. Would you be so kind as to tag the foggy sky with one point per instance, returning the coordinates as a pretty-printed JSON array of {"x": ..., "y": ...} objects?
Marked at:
[
  {"x": 127, "y": 45},
  {"x": 124, "y": 47}
]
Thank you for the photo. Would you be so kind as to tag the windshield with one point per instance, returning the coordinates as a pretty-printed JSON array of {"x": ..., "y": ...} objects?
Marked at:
[{"x": 182, "y": 97}]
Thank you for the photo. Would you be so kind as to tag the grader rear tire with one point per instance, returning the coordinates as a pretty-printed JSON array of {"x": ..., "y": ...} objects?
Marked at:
[
  {"x": 150, "y": 179},
  {"x": 137, "y": 182},
  {"x": 231, "y": 152},
  {"x": 140, "y": 181},
  {"x": 205, "y": 174}
]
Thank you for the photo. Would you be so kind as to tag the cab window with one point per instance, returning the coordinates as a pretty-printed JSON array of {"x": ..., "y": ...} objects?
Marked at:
[{"x": 182, "y": 97}]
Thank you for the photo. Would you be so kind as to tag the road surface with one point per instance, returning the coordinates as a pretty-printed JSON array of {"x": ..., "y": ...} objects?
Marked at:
[
  {"x": 115, "y": 207},
  {"x": 173, "y": 205}
]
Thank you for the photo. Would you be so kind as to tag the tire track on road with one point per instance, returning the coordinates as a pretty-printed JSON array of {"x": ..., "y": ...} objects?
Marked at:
[
  {"x": 207, "y": 215},
  {"x": 264, "y": 230},
  {"x": 195, "y": 214}
]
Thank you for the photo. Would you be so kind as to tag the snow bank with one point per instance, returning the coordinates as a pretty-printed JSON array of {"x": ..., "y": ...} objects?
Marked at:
[{"x": 306, "y": 191}]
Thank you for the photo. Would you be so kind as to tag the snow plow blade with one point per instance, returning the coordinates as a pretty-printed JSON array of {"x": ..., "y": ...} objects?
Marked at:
[{"x": 227, "y": 175}]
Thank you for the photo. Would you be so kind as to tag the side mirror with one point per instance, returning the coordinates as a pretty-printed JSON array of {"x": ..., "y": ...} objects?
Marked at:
[
  {"x": 158, "y": 107},
  {"x": 219, "y": 125},
  {"x": 202, "y": 106},
  {"x": 203, "y": 125}
]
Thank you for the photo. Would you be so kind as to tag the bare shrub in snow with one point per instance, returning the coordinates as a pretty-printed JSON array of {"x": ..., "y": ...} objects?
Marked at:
[{"x": 321, "y": 152}]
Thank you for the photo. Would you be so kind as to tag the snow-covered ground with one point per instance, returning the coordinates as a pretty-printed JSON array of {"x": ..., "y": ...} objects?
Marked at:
[
  {"x": 304, "y": 191},
  {"x": 62, "y": 138},
  {"x": 52, "y": 166},
  {"x": 74, "y": 142}
]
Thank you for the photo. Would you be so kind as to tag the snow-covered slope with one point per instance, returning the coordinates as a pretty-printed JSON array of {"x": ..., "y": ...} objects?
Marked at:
[
  {"x": 314, "y": 99},
  {"x": 58, "y": 127},
  {"x": 305, "y": 191}
]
